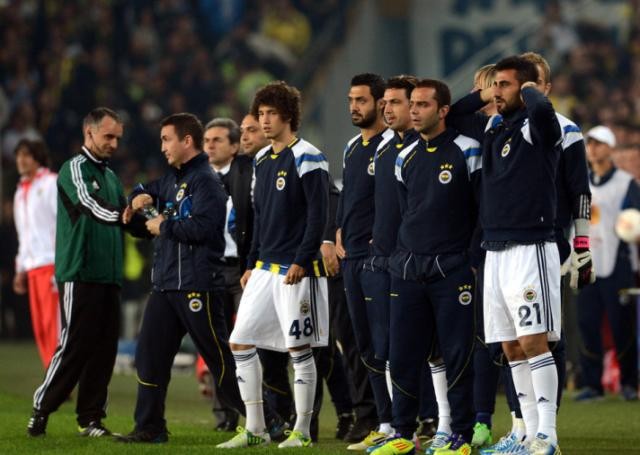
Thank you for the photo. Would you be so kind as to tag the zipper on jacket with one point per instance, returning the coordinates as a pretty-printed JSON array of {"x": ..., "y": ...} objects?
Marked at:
[
  {"x": 179, "y": 266},
  {"x": 404, "y": 272}
]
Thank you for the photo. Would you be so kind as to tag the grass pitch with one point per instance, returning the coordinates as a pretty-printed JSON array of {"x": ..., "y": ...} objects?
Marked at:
[{"x": 606, "y": 427}]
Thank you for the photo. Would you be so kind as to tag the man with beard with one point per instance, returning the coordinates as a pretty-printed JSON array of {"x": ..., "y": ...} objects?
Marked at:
[
  {"x": 521, "y": 293},
  {"x": 354, "y": 220},
  {"x": 432, "y": 282}
]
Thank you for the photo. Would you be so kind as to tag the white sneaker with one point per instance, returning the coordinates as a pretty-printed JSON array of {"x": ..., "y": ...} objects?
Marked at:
[
  {"x": 244, "y": 438},
  {"x": 439, "y": 441},
  {"x": 295, "y": 439},
  {"x": 541, "y": 445}
]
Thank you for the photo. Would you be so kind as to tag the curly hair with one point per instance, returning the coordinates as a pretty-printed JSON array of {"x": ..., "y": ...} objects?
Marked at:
[{"x": 284, "y": 98}]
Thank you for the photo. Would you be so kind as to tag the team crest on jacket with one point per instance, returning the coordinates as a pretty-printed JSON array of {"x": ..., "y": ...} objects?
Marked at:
[
  {"x": 280, "y": 181},
  {"x": 529, "y": 294},
  {"x": 181, "y": 191},
  {"x": 305, "y": 307},
  {"x": 506, "y": 149},
  {"x": 445, "y": 175},
  {"x": 371, "y": 169},
  {"x": 465, "y": 297},
  {"x": 195, "y": 304},
  {"x": 95, "y": 185}
]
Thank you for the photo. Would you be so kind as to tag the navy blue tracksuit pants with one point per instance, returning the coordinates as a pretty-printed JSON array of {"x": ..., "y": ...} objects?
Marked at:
[
  {"x": 376, "y": 270},
  {"x": 370, "y": 326},
  {"x": 167, "y": 318},
  {"x": 593, "y": 302},
  {"x": 425, "y": 316}
]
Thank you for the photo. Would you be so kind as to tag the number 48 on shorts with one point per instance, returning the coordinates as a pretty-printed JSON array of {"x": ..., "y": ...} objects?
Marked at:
[{"x": 296, "y": 330}]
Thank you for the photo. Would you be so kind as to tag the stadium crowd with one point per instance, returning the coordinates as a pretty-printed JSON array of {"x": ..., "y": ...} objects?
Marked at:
[{"x": 117, "y": 58}]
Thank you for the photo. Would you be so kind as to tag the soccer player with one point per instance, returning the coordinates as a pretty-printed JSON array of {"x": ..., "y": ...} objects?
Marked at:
[
  {"x": 34, "y": 208},
  {"x": 432, "y": 282},
  {"x": 355, "y": 220},
  {"x": 521, "y": 293},
  {"x": 284, "y": 304},
  {"x": 613, "y": 191},
  {"x": 574, "y": 196},
  {"x": 397, "y": 116}
]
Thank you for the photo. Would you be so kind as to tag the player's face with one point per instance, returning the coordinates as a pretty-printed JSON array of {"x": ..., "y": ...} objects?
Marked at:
[
  {"x": 173, "y": 148},
  {"x": 271, "y": 122},
  {"x": 218, "y": 147},
  {"x": 103, "y": 138},
  {"x": 597, "y": 151},
  {"x": 362, "y": 106},
  {"x": 252, "y": 139},
  {"x": 425, "y": 113},
  {"x": 396, "y": 109},
  {"x": 506, "y": 92},
  {"x": 542, "y": 85},
  {"x": 25, "y": 163}
]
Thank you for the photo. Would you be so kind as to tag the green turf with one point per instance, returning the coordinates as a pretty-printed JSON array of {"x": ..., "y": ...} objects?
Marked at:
[{"x": 610, "y": 426}]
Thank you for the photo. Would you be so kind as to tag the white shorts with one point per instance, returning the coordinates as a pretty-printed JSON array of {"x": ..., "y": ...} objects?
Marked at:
[
  {"x": 278, "y": 316},
  {"x": 522, "y": 293}
]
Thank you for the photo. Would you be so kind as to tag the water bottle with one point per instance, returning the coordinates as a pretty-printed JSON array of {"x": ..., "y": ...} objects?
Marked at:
[
  {"x": 169, "y": 211},
  {"x": 149, "y": 212}
]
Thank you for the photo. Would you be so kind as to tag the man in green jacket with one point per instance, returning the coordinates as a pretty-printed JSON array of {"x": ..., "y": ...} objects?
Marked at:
[{"x": 88, "y": 267}]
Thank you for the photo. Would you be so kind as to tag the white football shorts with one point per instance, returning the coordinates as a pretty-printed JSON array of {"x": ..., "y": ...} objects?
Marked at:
[
  {"x": 278, "y": 316},
  {"x": 521, "y": 293}
]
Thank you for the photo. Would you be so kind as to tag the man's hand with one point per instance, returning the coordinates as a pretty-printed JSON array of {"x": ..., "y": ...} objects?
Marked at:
[
  {"x": 245, "y": 277},
  {"x": 486, "y": 94},
  {"x": 140, "y": 201},
  {"x": 340, "y": 251},
  {"x": 581, "y": 269},
  {"x": 153, "y": 225},
  {"x": 127, "y": 214},
  {"x": 330, "y": 258},
  {"x": 20, "y": 285},
  {"x": 294, "y": 275}
]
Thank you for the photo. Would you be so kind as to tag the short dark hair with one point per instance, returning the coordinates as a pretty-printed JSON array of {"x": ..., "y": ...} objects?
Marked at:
[
  {"x": 229, "y": 124},
  {"x": 284, "y": 98},
  {"x": 375, "y": 82},
  {"x": 403, "y": 81},
  {"x": 442, "y": 95},
  {"x": 96, "y": 115},
  {"x": 526, "y": 70},
  {"x": 37, "y": 149},
  {"x": 186, "y": 124}
]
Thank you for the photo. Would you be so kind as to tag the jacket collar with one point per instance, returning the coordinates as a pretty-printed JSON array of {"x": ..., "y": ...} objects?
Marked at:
[
  {"x": 193, "y": 163},
  {"x": 515, "y": 117},
  {"x": 102, "y": 164}
]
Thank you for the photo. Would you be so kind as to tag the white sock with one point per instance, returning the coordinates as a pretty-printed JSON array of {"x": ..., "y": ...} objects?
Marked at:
[
  {"x": 386, "y": 428},
  {"x": 439, "y": 375},
  {"x": 521, "y": 374},
  {"x": 544, "y": 376},
  {"x": 304, "y": 388},
  {"x": 387, "y": 376},
  {"x": 249, "y": 376},
  {"x": 517, "y": 427}
]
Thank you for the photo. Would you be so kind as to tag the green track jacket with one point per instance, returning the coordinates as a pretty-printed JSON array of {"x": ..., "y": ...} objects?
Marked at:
[{"x": 89, "y": 245}]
